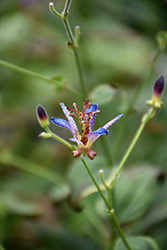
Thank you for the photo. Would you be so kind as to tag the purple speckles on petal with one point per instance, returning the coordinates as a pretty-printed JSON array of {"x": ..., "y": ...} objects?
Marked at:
[
  {"x": 61, "y": 123},
  {"x": 74, "y": 128},
  {"x": 77, "y": 141},
  {"x": 112, "y": 121}
]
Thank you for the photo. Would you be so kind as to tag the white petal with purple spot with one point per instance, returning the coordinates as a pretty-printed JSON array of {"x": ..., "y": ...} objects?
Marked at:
[
  {"x": 112, "y": 121},
  {"x": 73, "y": 125}
]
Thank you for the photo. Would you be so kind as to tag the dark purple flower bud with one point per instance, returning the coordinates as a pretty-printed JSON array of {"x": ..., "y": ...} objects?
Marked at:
[
  {"x": 159, "y": 87},
  {"x": 42, "y": 116}
]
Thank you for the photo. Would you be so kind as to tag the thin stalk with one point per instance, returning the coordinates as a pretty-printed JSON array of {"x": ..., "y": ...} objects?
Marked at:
[
  {"x": 131, "y": 146},
  {"x": 25, "y": 71},
  {"x": 94, "y": 181},
  {"x": 146, "y": 79},
  {"x": 76, "y": 55},
  {"x": 1, "y": 248},
  {"x": 108, "y": 205},
  {"x": 109, "y": 198},
  {"x": 58, "y": 138},
  {"x": 69, "y": 32},
  {"x": 135, "y": 98},
  {"x": 80, "y": 74},
  {"x": 114, "y": 218},
  {"x": 34, "y": 74},
  {"x": 33, "y": 168},
  {"x": 66, "y": 7},
  {"x": 145, "y": 119}
]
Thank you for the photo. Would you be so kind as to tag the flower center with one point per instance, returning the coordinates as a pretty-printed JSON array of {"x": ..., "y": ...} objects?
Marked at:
[{"x": 84, "y": 119}]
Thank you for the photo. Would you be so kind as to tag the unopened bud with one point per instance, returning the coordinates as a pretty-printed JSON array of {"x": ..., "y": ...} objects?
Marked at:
[
  {"x": 44, "y": 135},
  {"x": 159, "y": 87},
  {"x": 42, "y": 116},
  {"x": 77, "y": 34}
]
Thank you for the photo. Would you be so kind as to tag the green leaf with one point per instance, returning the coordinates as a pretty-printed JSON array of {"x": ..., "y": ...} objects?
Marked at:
[
  {"x": 135, "y": 192},
  {"x": 157, "y": 213},
  {"x": 137, "y": 243},
  {"x": 20, "y": 205},
  {"x": 102, "y": 94},
  {"x": 59, "y": 82},
  {"x": 60, "y": 193}
]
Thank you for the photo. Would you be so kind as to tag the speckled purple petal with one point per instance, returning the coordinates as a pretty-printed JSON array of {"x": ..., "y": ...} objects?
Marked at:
[
  {"x": 112, "y": 121},
  {"x": 95, "y": 134},
  {"x": 93, "y": 108},
  {"x": 100, "y": 131},
  {"x": 61, "y": 123},
  {"x": 77, "y": 141},
  {"x": 73, "y": 125}
]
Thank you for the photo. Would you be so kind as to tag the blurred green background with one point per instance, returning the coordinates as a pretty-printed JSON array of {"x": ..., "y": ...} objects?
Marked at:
[{"x": 40, "y": 182}]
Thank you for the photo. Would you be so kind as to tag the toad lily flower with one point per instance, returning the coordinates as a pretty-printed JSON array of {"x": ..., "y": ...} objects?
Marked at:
[{"x": 87, "y": 119}]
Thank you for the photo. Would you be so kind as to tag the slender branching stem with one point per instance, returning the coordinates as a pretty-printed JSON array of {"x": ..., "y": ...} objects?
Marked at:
[
  {"x": 146, "y": 79},
  {"x": 79, "y": 68},
  {"x": 108, "y": 204},
  {"x": 58, "y": 138},
  {"x": 39, "y": 76},
  {"x": 68, "y": 30},
  {"x": 66, "y": 7},
  {"x": 94, "y": 181},
  {"x": 144, "y": 120},
  {"x": 2, "y": 248},
  {"x": 70, "y": 35},
  {"x": 115, "y": 221},
  {"x": 134, "y": 99}
]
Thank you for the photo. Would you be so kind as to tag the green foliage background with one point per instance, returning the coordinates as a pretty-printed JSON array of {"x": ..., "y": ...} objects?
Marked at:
[{"x": 40, "y": 182}]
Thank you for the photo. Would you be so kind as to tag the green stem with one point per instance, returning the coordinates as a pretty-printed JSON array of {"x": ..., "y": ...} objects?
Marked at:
[
  {"x": 108, "y": 205},
  {"x": 52, "y": 9},
  {"x": 134, "y": 99},
  {"x": 32, "y": 167},
  {"x": 34, "y": 74},
  {"x": 72, "y": 40},
  {"x": 1, "y": 248},
  {"x": 94, "y": 181},
  {"x": 58, "y": 138},
  {"x": 79, "y": 68},
  {"x": 146, "y": 79},
  {"x": 145, "y": 119},
  {"x": 25, "y": 71},
  {"x": 68, "y": 30},
  {"x": 114, "y": 218},
  {"x": 109, "y": 198},
  {"x": 66, "y": 7},
  {"x": 76, "y": 55}
]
